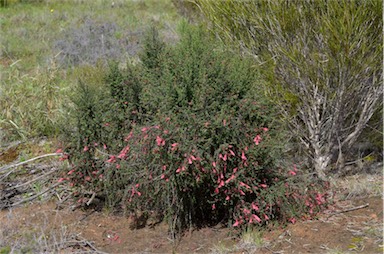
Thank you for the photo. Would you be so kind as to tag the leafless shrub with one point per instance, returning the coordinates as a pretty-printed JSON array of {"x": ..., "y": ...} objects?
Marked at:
[{"x": 93, "y": 41}]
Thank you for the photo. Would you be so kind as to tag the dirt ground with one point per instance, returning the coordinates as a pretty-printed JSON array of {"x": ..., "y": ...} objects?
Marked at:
[{"x": 338, "y": 230}]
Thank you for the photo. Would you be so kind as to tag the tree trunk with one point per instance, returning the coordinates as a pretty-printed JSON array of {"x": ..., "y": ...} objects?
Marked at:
[{"x": 321, "y": 163}]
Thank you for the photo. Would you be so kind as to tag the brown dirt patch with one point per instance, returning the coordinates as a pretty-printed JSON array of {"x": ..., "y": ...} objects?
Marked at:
[{"x": 357, "y": 231}]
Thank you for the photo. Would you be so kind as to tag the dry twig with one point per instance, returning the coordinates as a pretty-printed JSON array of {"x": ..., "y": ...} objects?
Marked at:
[{"x": 349, "y": 210}]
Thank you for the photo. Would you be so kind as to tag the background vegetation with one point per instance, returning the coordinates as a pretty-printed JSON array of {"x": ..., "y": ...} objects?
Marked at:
[
  {"x": 323, "y": 60},
  {"x": 162, "y": 119}
]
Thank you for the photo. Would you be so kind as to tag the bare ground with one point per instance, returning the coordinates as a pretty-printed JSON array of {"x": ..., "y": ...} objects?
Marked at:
[
  {"x": 337, "y": 230},
  {"x": 353, "y": 224}
]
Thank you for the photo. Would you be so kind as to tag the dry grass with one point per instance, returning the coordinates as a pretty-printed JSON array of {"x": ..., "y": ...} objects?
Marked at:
[{"x": 359, "y": 186}]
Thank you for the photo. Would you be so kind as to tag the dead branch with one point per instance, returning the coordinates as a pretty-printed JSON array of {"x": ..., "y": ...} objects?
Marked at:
[
  {"x": 35, "y": 196},
  {"x": 27, "y": 161},
  {"x": 349, "y": 210},
  {"x": 31, "y": 181}
]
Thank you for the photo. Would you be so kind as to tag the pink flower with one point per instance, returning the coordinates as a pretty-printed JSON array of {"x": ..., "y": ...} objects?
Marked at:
[
  {"x": 162, "y": 176},
  {"x": 243, "y": 157},
  {"x": 263, "y": 185},
  {"x": 292, "y": 220},
  {"x": 265, "y": 129},
  {"x": 71, "y": 171},
  {"x": 246, "y": 211},
  {"x": 254, "y": 207},
  {"x": 292, "y": 173},
  {"x": 266, "y": 217},
  {"x": 87, "y": 178},
  {"x": 105, "y": 146},
  {"x": 144, "y": 129},
  {"x": 214, "y": 164},
  {"x": 224, "y": 158},
  {"x": 130, "y": 135},
  {"x": 227, "y": 198},
  {"x": 213, "y": 206},
  {"x": 164, "y": 167},
  {"x": 174, "y": 146},
  {"x": 86, "y": 148},
  {"x": 244, "y": 185},
  {"x": 319, "y": 199},
  {"x": 160, "y": 141},
  {"x": 123, "y": 152},
  {"x": 230, "y": 179},
  {"x": 257, "y": 139},
  {"x": 231, "y": 152},
  {"x": 254, "y": 217},
  {"x": 236, "y": 224},
  {"x": 112, "y": 159},
  {"x": 59, "y": 151},
  {"x": 61, "y": 180}
]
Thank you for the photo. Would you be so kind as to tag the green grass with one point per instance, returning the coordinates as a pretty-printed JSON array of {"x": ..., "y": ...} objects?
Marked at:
[{"x": 34, "y": 85}]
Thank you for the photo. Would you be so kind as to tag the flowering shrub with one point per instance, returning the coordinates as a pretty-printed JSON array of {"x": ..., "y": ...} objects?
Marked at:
[{"x": 189, "y": 138}]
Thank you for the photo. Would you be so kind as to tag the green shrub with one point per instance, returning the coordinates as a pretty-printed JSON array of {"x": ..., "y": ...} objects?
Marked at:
[
  {"x": 187, "y": 135},
  {"x": 324, "y": 62}
]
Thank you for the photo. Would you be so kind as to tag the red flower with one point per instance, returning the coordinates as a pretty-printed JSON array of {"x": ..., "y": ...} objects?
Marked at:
[
  {"x": 254, "y": 217},
  {"x": 243, "y": 157},
  {"x": 254, "y": 207},
  {"x": 160, "y": 141},
  {"x": 123, "y": 152},
  {"x": 71, "y": 171},
  {"x": 246, "y": 211},
  {"x": 244, "y": 185},
  {"x": 112, "y": 159},
  {"x": 257, "y": 139},
  {"x": 230, "y": 179}
]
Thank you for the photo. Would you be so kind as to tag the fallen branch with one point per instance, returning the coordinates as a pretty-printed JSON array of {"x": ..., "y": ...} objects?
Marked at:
[
  {"x": 27, "y": 161},
  {"x": 34, "y": 196},
  {"x": 31, "y": 181},
  {"x": 349, "y": 210}
]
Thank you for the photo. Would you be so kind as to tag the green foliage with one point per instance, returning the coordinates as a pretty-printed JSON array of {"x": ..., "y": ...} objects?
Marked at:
[
  {"x": 43, "y": 43},
  {"x": 323, "y": 60},
  {"x": 186, "y": 135}
]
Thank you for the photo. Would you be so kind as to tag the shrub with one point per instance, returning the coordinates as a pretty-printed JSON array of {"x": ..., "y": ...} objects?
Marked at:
[
  {"x": 324, "y": 61},
  {"x": 188, "y": 137},
  {"x": 94, "y": 41}
]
